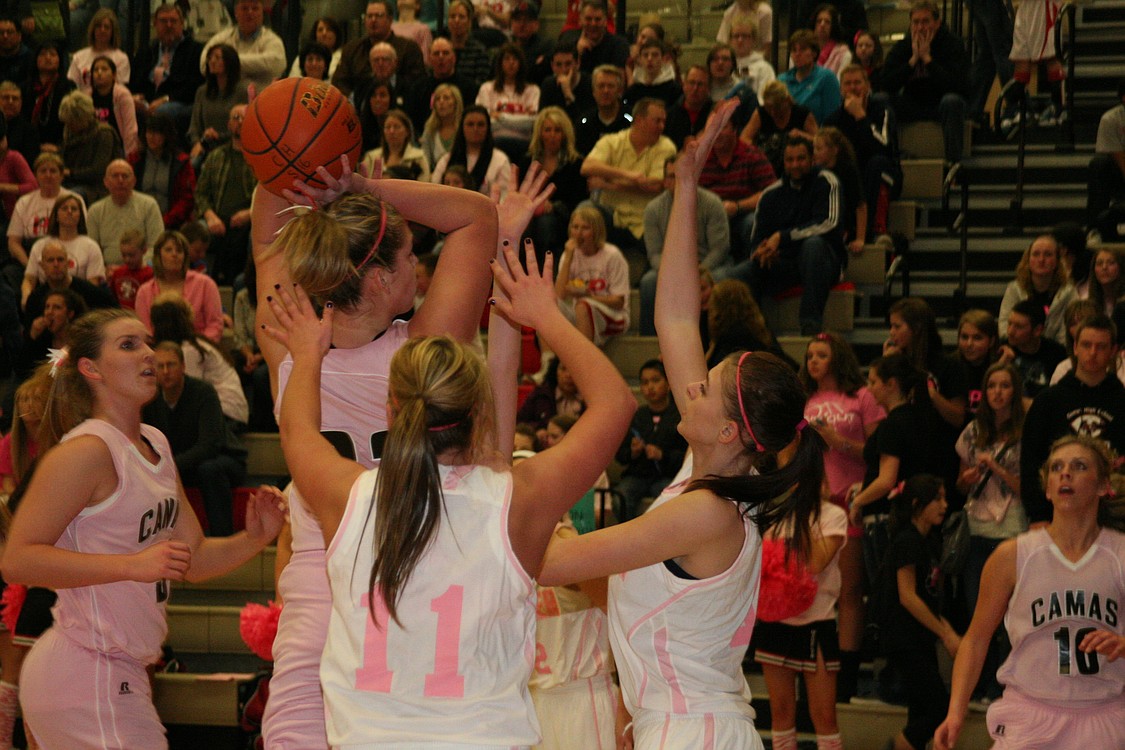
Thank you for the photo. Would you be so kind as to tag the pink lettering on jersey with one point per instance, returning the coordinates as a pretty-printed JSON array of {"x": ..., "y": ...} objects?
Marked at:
[
  {"x": 444, "y": 681},
  {"x": 542, "y": 663},
  {"x": 374, "y": 675},
  {"x": 547, "y": 604}
]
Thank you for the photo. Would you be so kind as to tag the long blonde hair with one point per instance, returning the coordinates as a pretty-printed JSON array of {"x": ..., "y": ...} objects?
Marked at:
[
  {"x": 556, "y": 116},
  {"x": 441, "y": 400},
  {"x": 433, "y": 122},
  {"x": 330, "y": 251}
]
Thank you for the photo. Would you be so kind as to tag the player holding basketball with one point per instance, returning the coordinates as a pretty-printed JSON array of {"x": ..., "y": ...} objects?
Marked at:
[
  {"x": 437, "y": 545},
  {"x": 356, "y": 253},
  {"x": 1059, "y": 591}
]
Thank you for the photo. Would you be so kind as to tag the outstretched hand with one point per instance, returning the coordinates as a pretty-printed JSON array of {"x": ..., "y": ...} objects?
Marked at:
[
  {"x": 695, "y": 151},
  {"x": 299, "y": 329},
  {"x": 530, "y": 294},
  {"x": 518, "y": 206},
  {"x": 265, "y": 513},
  {"x": 304, "y": 194}
]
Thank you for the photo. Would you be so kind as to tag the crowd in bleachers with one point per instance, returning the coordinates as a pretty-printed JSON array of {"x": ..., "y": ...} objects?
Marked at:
[{"x": 123, "y": 183}]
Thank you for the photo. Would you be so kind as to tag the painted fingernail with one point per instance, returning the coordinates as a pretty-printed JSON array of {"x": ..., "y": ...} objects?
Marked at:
[
  {"x": 493, "y": 260},
  {"x": 504, "y": 243},
  {"x": 277, "y": 286},
  {"x": 269, "y": 298},
  {"x": 329, "y": 305},
  {"x": 492, "y": 300},
  {"x": 527, "y": 240}
]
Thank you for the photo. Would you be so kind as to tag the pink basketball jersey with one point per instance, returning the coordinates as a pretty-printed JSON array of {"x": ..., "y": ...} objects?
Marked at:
[
  {"x": 1054, "y": 605},
  {"x": 678, "y": 642},
  {"x": 455, "y": 667},
  {"x": 125, "y": 618}
]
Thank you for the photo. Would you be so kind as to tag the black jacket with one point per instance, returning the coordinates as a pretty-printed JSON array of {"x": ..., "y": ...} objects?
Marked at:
[
  {"x": 182, "y": 80},
  {"x": 815, "y": 208},
  {"x": 947, "y": 73}
]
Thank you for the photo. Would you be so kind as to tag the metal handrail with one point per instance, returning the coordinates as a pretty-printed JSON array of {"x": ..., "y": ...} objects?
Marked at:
[
  {"x": 1016, "y": 205},
  {"x": 959, "y": 223},
  {"x": 1069, "y": 11}
]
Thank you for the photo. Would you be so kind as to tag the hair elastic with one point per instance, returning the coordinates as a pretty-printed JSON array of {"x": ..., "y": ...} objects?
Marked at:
[
  {"x": 802, "y": 425},
  {"x": 378, "y": 238},
  {"x": 57, "y": 358},
  {"x": 741, "y": 407},
  {"x": 444, "y": 427}
]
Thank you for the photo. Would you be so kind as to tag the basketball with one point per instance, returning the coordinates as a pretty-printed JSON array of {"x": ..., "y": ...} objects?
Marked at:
[{"x": 296, "y": 125}]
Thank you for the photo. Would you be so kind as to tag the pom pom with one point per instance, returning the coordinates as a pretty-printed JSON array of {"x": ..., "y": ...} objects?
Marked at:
[
  {"x": 257, "y": 625},
  {"x": 787, "y": 588},
  {"x": 11, "y": 604}
]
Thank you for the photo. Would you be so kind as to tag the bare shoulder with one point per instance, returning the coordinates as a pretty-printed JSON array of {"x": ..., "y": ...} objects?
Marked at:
[{"x": 702, "y": 511}]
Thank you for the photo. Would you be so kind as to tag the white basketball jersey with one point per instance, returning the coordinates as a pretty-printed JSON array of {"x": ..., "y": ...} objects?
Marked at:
[
  {"x": 571, "y": 638},
  {"x": 454, "y": 669},
  {"x": 1054, "y": 605},
  {"x": 678, "y": 642}
]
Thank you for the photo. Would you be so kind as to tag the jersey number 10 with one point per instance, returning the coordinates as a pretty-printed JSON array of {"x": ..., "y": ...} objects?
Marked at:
[{"x": 1087, "y": 663}]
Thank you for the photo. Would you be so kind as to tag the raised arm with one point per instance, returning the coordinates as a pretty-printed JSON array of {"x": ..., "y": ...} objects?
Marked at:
[
  {"x": 467, "y": 218},
  {"x": 514, "y": 214},
  {"x": 548, "y": 484},
  {"x": 677, "y": 285},
  {"x": 267, "y": 219}
]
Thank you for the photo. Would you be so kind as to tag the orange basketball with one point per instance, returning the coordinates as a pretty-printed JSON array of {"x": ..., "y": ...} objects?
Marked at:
[{"x": 296, "y": 125}]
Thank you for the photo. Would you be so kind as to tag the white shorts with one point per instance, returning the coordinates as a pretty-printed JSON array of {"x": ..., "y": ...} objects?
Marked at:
[
  {"x": 1019, "y": 722},
  {"x": 653, "y": 730},
  {"x": 606, "y": 320},
  {"x": 579, "y": 715},
  {"x": 1033, "y": 36}
]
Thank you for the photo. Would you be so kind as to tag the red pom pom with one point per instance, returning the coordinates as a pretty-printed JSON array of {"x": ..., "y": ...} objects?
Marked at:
[
  {"x": 11, "y": 604},
  {"x": 787, "y": 588},
  {"x": 258, "y": 627}
]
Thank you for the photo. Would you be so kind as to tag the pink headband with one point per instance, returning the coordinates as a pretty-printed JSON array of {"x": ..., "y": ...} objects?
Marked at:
[
  {"x": 741, "y": 407},
  {"x": 378, "y": 238}
]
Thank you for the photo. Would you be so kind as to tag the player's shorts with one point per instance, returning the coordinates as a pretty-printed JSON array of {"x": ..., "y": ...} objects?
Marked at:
[
  {"x": 655, "y": 730},
  {"x": 73, "y": 697},
  {"x": 580, "y": 713},
  {"x": 1017, "y": 721}
]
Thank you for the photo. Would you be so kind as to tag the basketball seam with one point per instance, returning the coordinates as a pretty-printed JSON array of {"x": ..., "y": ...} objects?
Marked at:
[
  {"x": 282, "y": 132},
  {"x": 327, "y": 120}
]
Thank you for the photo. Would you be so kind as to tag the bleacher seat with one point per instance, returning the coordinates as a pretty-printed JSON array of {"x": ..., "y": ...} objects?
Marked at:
[{"x": 781, "y": 309}]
